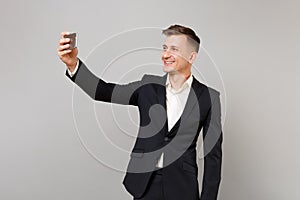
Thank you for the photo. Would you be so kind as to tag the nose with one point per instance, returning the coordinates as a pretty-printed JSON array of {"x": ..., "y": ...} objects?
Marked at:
[{"x": 166, "y": 54}]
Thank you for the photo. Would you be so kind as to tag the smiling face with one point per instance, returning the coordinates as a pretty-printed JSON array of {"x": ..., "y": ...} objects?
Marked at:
[{"x": 177, "y": 55}]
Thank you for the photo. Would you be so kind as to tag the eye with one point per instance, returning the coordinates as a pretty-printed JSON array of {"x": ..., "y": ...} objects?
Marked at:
[
  {"x": 174, "y": 49},
  {"x": 164, "y": 48}
]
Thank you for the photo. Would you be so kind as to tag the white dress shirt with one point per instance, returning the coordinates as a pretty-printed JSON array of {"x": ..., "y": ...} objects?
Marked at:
[{"x": 175, "y": 101}]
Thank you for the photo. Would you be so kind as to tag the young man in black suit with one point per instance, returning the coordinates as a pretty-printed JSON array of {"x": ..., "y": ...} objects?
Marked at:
[{"x": 173, "y": 110}]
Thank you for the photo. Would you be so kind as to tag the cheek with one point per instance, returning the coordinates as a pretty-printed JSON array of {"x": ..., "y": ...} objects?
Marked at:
[{"x": 180, "y": 59}]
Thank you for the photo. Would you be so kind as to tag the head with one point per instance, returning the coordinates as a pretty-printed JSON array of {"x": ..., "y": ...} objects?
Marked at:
[{"x": 180, "y": 49}]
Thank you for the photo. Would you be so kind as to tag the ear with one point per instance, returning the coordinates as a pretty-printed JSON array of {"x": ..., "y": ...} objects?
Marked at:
[{"x": 193, "y": 57}]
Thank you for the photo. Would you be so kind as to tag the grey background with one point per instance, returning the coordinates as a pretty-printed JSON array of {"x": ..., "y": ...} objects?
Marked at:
[{"x": 255, "y": 45}]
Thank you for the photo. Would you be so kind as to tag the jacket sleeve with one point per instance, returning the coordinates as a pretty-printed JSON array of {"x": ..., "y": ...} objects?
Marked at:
[
  {"x": 100, "y": 90},
  {"x": 212, "y": 137}
]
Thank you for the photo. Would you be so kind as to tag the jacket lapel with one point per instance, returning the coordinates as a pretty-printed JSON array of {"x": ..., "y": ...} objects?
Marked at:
[
  {"x": 192, "y": 99},
  {"x": 190, "y": 103},
  {"x": 161, "y": 91}
]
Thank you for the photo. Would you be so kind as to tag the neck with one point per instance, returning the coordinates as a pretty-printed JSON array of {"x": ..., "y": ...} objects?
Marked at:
[{"x": 177, "y": 79}]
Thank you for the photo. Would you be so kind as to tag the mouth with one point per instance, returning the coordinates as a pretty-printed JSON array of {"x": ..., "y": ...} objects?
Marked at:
[{"x": 167, "y": 62}]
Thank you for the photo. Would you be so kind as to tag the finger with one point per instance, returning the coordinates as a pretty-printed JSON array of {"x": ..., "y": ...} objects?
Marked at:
[
  {"x": 65, "y": 33},
  {"x": 63, "y": 47},
  {"x": 62, "y": 53},
  {"x": 63, "y": 41}
]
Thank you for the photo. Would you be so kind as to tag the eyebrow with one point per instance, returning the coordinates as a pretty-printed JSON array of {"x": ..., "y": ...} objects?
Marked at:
[{"x": 164, "y": 45}]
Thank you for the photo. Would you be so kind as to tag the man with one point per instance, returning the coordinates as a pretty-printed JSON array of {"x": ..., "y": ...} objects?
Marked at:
[{"x": 173, "y": 109}]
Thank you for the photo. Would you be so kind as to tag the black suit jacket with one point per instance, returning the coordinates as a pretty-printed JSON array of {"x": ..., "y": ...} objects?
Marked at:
[{"x": 180, "y": 171}]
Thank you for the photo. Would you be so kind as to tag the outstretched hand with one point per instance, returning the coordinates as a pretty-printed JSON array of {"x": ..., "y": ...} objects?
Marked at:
[{"x": 68, "y": 56}]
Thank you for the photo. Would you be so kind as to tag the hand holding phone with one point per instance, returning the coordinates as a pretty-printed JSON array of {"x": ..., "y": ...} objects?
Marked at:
[
  {"x": 73, "y": 38},
  {"x": 67, "y": 49}
]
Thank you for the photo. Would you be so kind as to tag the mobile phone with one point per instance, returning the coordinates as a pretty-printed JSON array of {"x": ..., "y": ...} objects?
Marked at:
[{"x": 73, "y": 42}]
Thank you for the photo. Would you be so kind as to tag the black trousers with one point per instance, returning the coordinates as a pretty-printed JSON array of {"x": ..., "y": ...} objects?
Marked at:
[{"x": 154, "y": 190}]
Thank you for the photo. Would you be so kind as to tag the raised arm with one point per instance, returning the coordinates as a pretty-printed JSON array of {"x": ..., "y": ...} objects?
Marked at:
[{"x": 94, "y": 86}]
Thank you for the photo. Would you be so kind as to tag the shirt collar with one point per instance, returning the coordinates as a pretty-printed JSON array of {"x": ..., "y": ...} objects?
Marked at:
[{"x": 186, "y": 84}]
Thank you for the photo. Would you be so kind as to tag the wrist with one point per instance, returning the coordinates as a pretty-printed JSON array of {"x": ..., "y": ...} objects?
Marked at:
[{"x": 72, "y": 65}]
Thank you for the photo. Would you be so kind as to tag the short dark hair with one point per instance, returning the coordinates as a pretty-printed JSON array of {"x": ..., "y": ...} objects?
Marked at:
[{"x": 182, "y": 30}]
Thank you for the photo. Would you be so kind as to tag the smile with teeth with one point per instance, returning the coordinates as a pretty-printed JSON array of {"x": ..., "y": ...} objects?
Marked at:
[{"x": 169, "y": 62}]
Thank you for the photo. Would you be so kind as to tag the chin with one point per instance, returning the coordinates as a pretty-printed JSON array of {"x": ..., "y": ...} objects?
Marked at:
[{"x": 168, "y": 69}]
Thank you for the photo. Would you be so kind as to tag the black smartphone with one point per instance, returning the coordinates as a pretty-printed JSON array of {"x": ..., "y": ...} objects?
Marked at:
[{"x": 73, "y": 42}]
